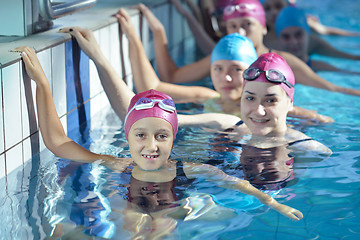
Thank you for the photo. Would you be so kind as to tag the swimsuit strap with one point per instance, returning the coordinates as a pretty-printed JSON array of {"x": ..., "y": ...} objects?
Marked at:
[
  {"x": 309, "y": 62},
  {"x": 239, "y": 123},
  {"x": 301, "y": 140},
  {"x": 232, "y": 129},
  {"x": 180, "y": 168}
]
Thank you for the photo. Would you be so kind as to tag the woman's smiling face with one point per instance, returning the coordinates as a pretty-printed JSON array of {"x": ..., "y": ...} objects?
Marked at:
[
  {"x": 150, "y": 142},
  {"x": 264, "y": 107}
]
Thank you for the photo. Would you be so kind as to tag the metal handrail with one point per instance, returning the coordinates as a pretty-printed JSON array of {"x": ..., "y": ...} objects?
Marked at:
[{"x": 51, "y": 11}]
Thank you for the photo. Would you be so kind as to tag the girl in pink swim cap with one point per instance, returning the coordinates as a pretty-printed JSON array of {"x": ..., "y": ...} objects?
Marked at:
[{"x": 150, "y": 127}]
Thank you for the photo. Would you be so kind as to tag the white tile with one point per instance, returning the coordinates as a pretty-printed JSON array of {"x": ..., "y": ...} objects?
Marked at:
[
  {"x": 63, "y": 121},
  {"x": 105, "y": 41},
  {"x": 2, "y": 167},
  {"x": 147, "y": 39},
  {"x": 1, "y": 123},
  {"x": 45, "y": 61},
  {"x": 42, "y": 144},
  {"x": 14, "y": 158},
  {"x": 12, "y": 105},
  {"x": 125, "y": 49},
  {"x": 115, "y": 59},
  {"x": 136, "y": 22},
  {"x": 95, "y": 84},
  {"x": 59, "y": 78},
  {"x": 27, "y": 152},
  {"x": 26, "y": 104},
  {"x": 97, "y": 104}
]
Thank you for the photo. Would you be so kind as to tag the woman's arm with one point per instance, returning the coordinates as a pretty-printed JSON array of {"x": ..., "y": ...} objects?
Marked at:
[
  {"x": 323, "y": 66},
  {"x": 144, "y": 75},
  {"x": 320, "y": 46},
  {"x": 167, "y": 69},
  {"x": 50, "y": 126},
  {"x": 310, "y": 115},
  {"x": 214, "y": 174},
  {"x": 306, "y": 76},
  {"x": 315, "y": 24}
]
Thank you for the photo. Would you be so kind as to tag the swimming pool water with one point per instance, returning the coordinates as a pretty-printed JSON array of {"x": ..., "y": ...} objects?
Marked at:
[{"x": 326, "y": 190}]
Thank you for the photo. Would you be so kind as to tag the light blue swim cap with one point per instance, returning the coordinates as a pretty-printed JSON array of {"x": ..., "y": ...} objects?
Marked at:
[
  {"x": 291, "y": 17},
  {"x": 234, "y": 47}
]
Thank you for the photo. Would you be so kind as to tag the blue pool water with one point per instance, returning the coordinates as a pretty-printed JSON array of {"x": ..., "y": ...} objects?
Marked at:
[{"x": 326, "y": 190}]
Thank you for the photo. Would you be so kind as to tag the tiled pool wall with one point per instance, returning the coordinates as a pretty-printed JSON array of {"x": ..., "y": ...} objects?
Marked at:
[{"x": 76, "y": 88}]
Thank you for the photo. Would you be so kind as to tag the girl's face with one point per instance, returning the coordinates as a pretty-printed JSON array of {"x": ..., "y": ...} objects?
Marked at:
[
  {"x": 247, "y": 26},
  {"x": 150, "y": 141},
  {"x": 264, "y": 107},
  {"x": 272, "y": 9},
  {"x": 227, "y": 78},
  {"x": 295, "y": 40}
]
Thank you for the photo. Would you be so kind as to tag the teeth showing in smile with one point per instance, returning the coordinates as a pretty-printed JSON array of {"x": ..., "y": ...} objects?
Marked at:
[
  {"x": 150, "y": 156},
  {"x": 260, "y": 120}
]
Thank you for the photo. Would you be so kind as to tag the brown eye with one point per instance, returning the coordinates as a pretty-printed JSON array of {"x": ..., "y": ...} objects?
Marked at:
[{"x": 285, "y": 37}]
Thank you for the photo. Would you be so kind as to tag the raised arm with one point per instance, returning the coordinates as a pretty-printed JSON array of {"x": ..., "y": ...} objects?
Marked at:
[
  {"x": 315, "y": 24},
  {"x": 167, "y": 69},
  {"x": 203, "y": 40},
  {"x": 305, "y": 75},
  {"x": 320, "y": 46},
  {"x": 116, "y": 89},
  {"x": 51, "y": 128},
  {"x": 144, "y": 75},
  {"x": 214, "y": 174}
]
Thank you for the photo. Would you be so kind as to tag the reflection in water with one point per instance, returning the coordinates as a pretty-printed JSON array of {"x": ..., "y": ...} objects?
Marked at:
[{"x": 267, "y": 168}]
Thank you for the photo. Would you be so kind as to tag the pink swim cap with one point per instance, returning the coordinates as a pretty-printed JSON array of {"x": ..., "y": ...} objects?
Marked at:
[
  {"x": 151, "y": 103},
  {"x": 270, "y": 61},
  {"x": 245, "y": 8}
]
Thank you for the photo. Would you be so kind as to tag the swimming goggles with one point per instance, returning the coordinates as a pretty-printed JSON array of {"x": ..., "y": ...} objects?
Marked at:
[
  {"x": 241, "y": 8},
  {"x": 147, "y": 103},
  {"x": 271, "y": 75}
]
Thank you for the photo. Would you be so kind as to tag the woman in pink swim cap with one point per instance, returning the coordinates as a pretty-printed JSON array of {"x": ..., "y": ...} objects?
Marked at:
[{"x": 268, "y": 96}]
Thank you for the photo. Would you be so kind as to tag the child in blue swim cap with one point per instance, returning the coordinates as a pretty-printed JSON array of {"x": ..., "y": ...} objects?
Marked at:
[
  {"x": 293, "y": 33},
  {"x": 316, "y": 44}
]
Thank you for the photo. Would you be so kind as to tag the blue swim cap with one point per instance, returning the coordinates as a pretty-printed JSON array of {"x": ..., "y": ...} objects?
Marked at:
[
  {"x": 234, "y": 47},
  {"x": 291, "y": 17}
]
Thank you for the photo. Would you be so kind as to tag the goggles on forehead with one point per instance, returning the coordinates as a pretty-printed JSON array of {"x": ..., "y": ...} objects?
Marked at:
[
  {"x": 147, "y": 103},
  {"x": 272, "y": 75},
  {"x": 241, "y": 8}
]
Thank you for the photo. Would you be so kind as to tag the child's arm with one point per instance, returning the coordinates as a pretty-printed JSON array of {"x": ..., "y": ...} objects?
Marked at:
[
  {"x": 214, "y": 174},
  {"x": 144, "y": 75},
  {"x": 49, "y": 123},
  {"x": 167, "y": 69},
  {"x": 116, "y": 89},
  {"x": 203, "y": 40}
]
